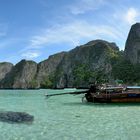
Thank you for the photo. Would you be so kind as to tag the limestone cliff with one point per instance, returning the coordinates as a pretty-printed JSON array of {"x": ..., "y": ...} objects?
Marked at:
[
  {"x": 96, "y": 61},
  {"x": 95, "y": 56},
  {"x": 132, "y": 47},
  {"x": 5, "y": 68},
  {"x": 47, "y": 68},
  {"x": 76, "y": 68},
  {"x": 22, "y": 76}
]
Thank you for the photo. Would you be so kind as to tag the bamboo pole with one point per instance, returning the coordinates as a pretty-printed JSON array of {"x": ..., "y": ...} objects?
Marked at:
[{"x": 75, "y": 93}]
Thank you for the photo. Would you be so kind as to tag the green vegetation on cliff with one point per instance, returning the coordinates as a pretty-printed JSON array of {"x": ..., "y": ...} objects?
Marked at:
[
  {"x": 126, "y": 71},
  {"x": 48, "y": 82},
  {"x": 83, "y": 74}
]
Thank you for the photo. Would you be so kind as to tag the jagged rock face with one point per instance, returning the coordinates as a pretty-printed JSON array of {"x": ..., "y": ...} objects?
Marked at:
[
  {"x": 132, "y": 47},
  {"x": 22, "y": 75},
  {"x": 96, "y": 54},
  {"x": 5, "y": 68},
  {"x": 49, "y": 66}
]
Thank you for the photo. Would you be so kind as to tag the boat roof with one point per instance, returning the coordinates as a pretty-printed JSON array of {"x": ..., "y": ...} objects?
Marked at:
[
  {"x": 121, "y": 87},
  {"x": 114, "y": 88},
  {"x": 133, "y": 87}
]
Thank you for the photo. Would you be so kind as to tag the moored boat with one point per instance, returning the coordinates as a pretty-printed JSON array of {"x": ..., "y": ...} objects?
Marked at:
[{"x": 114, "y": 94}]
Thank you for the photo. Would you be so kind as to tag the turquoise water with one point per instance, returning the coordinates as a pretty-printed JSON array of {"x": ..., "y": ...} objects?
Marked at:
[{"x": 67, "y": 118}]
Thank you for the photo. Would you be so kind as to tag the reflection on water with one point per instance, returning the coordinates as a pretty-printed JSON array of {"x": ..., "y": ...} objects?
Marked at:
[{"x": 67, "y": 118}]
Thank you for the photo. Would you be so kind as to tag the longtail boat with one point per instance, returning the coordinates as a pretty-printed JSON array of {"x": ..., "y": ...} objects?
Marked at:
[
  {"x": 114, "y": 94},
  {"x": 120, "y": 94}
]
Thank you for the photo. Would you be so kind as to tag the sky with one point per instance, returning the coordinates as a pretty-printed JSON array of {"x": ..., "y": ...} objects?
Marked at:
[{"x": 36, "y": 29}]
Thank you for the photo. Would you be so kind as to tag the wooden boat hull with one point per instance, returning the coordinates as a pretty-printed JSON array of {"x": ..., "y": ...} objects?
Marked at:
[
  {"x": 114, "y": 98},
  {"x": 117, "y": 100}
]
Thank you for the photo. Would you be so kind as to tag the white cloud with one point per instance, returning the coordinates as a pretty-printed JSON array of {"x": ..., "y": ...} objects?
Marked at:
[
  {"x": 131, "y": 15},
  {"x": 30, "y": 54},
  {"x": 73, "y": 33},
  {"x": 83, "y": 6},
  {"x": 127, "y": 15}
]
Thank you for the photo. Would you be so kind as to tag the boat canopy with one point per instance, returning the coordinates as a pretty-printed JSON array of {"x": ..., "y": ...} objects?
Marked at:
[
  {"x": 133, "y": 87},
  {"x": 108, "y": 88}
]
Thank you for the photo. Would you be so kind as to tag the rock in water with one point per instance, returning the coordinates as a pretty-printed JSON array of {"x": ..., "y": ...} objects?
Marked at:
[{"x": 16, "y": 117}]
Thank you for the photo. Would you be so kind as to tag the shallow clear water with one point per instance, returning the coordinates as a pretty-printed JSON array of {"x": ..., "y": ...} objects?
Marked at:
[{"x": 67, "y": 118}]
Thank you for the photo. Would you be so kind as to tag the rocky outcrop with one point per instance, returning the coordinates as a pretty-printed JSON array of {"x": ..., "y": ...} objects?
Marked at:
[
  {"x": 132, "y": 47},
  {"x": 5, "y": 68},
  {"x": 95, "y": 56},
  {"x": 75, "y": 68},
  {"x": 16, "y": 117},
  {"x": 97, "y": 60},
  {"x": 22, "y": 76},
  {"x": 48, "y": 67}
]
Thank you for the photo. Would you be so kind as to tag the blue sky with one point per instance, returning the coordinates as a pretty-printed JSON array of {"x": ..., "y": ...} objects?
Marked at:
[{"x": 35, "y": 29}]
